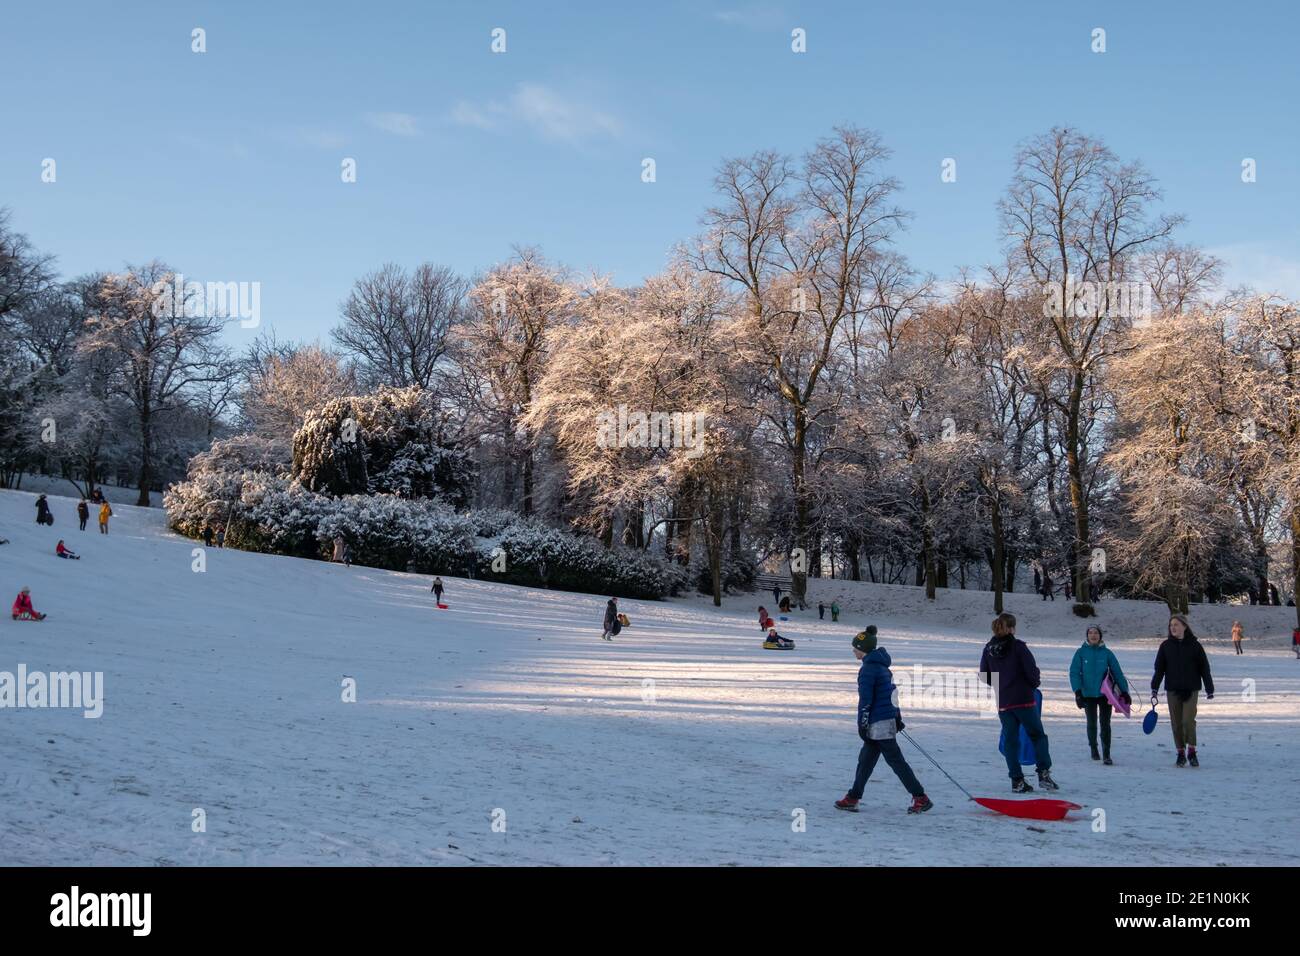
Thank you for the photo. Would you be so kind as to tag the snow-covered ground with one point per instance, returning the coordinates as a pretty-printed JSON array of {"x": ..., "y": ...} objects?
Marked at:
[{"x": 504, "y": 731}]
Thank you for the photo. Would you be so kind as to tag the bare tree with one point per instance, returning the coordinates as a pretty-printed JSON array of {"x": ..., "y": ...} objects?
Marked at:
[
  {"x": 396, "y": 324},
  {"x": 1075, "y": 214},
  {"x": 166, "y": 345}
]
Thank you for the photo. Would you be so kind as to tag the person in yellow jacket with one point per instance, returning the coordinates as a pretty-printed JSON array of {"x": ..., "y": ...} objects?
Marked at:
[{"x": 105, "y": 512}]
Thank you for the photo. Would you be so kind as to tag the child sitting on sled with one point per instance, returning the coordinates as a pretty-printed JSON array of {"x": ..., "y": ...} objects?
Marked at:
[
  {"x": 23, "y": 610},
  {"x": 775, "y": 642}
]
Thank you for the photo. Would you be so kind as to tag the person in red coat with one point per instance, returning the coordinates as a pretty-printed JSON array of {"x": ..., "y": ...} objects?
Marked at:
[
  {"x": 23, "y": 609},
  {"x": 62, "y": 551}
]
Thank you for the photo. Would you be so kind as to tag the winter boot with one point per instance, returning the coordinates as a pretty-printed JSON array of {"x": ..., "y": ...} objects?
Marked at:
[
  {"x": 1191, "y": 757},
  {"x": 1045, "y": 780},
  {"x": 1105, "y": 758},
  {"x": 920, "y": 804},
  {"x": 1095, "y": 755},
  {"x": 1021, "y": 785},
  {"x": 1182, "y": 760},
  {"x": 847, "y": 803}
]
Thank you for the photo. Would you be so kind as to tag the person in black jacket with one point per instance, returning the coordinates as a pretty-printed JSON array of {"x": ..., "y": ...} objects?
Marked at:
[
  {"x": 43, "y": 515},
  {"x": 1182, "y": 664},
  {"x": 611, "y": 616},
  {"x": 1018, "y": 675},
  {"x": 83, "y": 513}
]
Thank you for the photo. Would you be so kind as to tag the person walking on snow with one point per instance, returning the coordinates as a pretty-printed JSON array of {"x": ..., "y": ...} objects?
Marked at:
[
  {"x": 105, "y": 512},
  {"x": 221, "y": 536},
  {"x": 63, "y": 552},
  {"x": 43, "y": 515},
  {"x": 879, "y": 722},
  {"x": 776, "y": 594},
  {"x": 821, "y": 611},
  {"x": 1018, "y": 676},
  {"x": 1183, "y": 665},
  {"x": 1237, "y": 634},
  {"x": 1092, "y": 662},
  {"x": 835, "y": 611},
  {"x": 611, "y": 616},
  {"x": 83, "y": 513},
  {"x": 437, "y": 589},
  {"x": 207, "y": 535},
  {"x": 1049, "y": 590},
  {"x": 23, "y": 610}
]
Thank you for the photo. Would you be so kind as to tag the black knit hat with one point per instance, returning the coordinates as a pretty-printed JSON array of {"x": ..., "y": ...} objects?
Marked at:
[{"x": 866, "y": 640}]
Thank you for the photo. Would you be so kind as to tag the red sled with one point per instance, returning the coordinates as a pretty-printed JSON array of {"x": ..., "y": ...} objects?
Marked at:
[
  {"x": 442, "y": 607},
  {"x": 1034, "y": 809}
]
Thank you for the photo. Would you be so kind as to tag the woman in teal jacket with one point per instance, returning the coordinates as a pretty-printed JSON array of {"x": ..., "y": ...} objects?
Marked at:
[{"x": 1087, "y": 670}]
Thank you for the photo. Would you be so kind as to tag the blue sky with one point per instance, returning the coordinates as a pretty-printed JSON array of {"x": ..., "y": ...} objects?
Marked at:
[{"x": 226, "y": 164}]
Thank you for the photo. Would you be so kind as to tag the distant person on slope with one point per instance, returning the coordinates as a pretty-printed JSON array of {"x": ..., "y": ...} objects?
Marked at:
[
  {"x": 1183, "y": 665},
  {"x": 221, "y": 536},
  {"x": 611, "y": 618},
  {"x": 63, "y": 552},
  {"x": 835, "y": 610},
  {"x": 762, "y": 618},
  {"x": 105, "y": 512},
  {"x": 776, "y": 594},
  {"x": 1238, "y": 632},
  {"x": 879, "y": 722},
  {"x": 1092, "y": 662},
  {"x": 43, "y": 515},
  {"x": 1048, "y": 589},
  {"x": 83, "y": 513},
  {"x": 437, "y": 589},
  {"x": 1018, "y": 676},
  {"x": 821, "y": 611},
  {"x": 207, "y": 535},
  {"x": 23, "y": 610}
]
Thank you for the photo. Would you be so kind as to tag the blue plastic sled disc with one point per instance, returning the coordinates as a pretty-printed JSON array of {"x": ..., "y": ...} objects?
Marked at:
[{"x": 1149, "y": 721}]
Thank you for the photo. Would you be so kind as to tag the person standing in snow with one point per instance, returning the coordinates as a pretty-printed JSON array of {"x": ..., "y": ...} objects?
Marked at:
[
  {"x": 43, "y": 515},
  {"x": 1018, "y": 676},
  {"x": 611, "y": 616},
  {"x": 821, "y": 611},
  {"x": 1048, "y": 589},
  {"x": 835, "y": 611},
  {"x": 221, "y": 536},
  {"x": 1092, "y": 662},
  {"x": 338, "y": 549},
  {"x": 437, "y": 589},
  {"x": 1183, "y": 665},
  {"x": 762, "y": 618},
  {"x": 207, "y": 535},
  {"x": 879, "y": 721},
  {"x": 776, "y": 594},
  {"x": 105, "y": 512},
  {"x": 1237, "y": 634},
  {"x": 83, "y": 513}
]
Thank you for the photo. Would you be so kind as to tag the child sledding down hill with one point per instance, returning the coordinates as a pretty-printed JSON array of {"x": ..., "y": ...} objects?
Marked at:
[
  {"x": 23, "y": 610},
  {"x": 775, "y": 642},
  {"x": 63, "y": 552}
]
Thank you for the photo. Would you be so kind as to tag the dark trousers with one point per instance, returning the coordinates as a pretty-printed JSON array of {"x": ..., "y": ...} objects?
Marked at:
[
  {"x": 1012, "y": 721},
  {"x": 1237, "y": 645},
  {"x": 1093, "y": 707},
  {"x": 870, "y": 753},
  {"x": 83, "y": 523}
]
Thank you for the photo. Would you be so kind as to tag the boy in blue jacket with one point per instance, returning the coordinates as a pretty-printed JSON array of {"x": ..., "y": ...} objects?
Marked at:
[
  {"x": 1092, "y": 661},
  {"x": 879, "y": 722},
  {"x": 1018, "y": 675}
]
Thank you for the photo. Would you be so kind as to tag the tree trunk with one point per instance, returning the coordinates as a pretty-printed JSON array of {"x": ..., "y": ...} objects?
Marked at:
[
  {"x": 999, "y": 554},
  {"x": 1078, "y": 499},
  {"x": 146, "y": 456}
]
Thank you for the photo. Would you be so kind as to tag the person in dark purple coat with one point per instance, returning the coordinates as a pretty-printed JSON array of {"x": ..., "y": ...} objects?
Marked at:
[{"x": 1018, "y": 676}]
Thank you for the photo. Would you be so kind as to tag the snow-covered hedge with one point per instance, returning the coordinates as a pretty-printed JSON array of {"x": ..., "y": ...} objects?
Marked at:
[{"x": 266, "y": 512}]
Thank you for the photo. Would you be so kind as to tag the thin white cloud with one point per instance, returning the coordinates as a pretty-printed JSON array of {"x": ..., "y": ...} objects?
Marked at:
[
  {"x": 399, "y": 124},
  {"x": 1261, "y": 266},
  {"x": 546, "y": 112},
  {"x": 756, "y": 16},
  {"x": 313, "y": 136}
]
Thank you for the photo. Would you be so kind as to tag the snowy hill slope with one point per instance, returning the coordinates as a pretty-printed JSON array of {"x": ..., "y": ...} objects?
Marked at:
[{"x": 504, "y": 731}]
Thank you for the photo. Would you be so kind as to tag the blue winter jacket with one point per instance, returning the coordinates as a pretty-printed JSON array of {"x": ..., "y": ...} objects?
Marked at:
[
  {"x": 875, "y": 689},
  {"x": 1089, "y": 667}
]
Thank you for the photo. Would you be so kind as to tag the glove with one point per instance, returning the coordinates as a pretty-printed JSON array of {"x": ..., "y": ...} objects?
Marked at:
[
  {"x": 899, "y": 726},
  {"x": 862, "y": 732},
  {"x": 1209, "y": 697},
  {"x": 1126, "y": 698},
  {"x": 1078, "y": 699}
]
